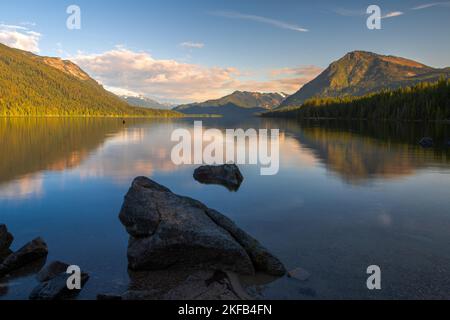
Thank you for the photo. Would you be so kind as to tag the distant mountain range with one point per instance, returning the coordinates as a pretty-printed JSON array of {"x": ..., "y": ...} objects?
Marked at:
[
  {"x": 32, "y": 85},
  {"x": 359, "y": 73},
  {"x": 237, "y": 103},
  {"x": 145, "y": 102}
]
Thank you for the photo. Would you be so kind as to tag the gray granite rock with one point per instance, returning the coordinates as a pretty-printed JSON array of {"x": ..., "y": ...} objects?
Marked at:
[{"x": 167, "y": 229}]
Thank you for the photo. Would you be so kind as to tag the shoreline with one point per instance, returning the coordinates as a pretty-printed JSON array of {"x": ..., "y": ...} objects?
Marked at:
[
  {"x": 111, "y": 117},
  {"x": 354, "y": 119}
]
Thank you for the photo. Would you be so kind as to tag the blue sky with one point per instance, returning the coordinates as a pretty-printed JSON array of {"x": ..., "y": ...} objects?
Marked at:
[{"x": 192, "y": 50}]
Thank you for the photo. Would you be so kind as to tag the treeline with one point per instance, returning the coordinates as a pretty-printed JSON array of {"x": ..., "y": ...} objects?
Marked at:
[
  {"x": 424, "y": 101},
  {"x": 30, "y": 87}
]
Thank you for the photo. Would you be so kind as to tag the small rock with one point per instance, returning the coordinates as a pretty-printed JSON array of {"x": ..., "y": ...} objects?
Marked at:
[
  {"x": 56, "y": 288},
  {"x": 426, "y": 142},
  {"x": 52, "y": 270},
  {"x": 227, "y": 175},
  {"x": 29, "y": 253},
  {"x": 299, "y": 274},
  {"x": 6, "y": 239}
]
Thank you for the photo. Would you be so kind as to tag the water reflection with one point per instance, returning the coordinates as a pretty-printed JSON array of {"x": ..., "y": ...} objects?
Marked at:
[
  {"x": 64, "y": 180},
  {"x": 32, "y": 146},
  {"x": 362, "y": 151},
  {"x": 357, "y": 152}
]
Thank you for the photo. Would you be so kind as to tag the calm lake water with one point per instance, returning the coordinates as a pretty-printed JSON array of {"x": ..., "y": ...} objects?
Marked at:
[{"x": 348, "y": 195}]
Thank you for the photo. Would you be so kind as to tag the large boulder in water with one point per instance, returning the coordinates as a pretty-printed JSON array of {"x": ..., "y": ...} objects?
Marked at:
[
  {"x": 169, "y": 230},
  {"x": 227, "y": 175}
]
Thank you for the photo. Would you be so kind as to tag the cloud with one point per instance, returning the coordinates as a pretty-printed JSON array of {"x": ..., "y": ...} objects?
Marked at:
[
  {"x": 192, "y": 45},
  {"x": 392, "y": 14},
  {"x": 19, "y": 37},
  {"x": 432, "y": 4},
  {"x": 141, "y": 73},
  {"x": 122, "y": 70},
  {"x": 273, "y": 22}
]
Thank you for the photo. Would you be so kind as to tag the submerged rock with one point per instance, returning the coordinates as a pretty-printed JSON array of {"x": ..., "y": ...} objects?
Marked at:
[
  {"x": 52, "y": 270},
  {"x": 426, "y": 142},
  {"x": 262, "y": 259},
  {"x": 170, "y": 230},
  {"x": 227, "y": 175},
  {"x": 56, "y": 288},
  {"x": 299, "y": 274},
  {"x": 195, "y": 285},
  {"x": 29, "y": 253},
  {"x": 6, "y": 239},
  {"x": 204, "y": 285}
]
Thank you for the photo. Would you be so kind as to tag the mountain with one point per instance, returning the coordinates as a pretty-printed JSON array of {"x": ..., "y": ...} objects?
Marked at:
[
  {"x": 237, "y": 103},
  {"x": 144, "y": 102},
  {"x": 32, "y": 85},
  {"x": 359, "y": 73}
]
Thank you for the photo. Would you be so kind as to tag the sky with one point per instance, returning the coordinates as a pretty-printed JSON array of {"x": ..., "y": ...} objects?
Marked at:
[{"x": 193, "y": 50}]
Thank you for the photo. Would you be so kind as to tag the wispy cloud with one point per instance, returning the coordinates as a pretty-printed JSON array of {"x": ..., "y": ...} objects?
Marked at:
[
  {"x": 269, "y": 21},
  {"x": 392, "y": 14},
  {"x": 192, "y": 45},
  {"x": 19, "y": 37},
  {"x": 432, "y": 4}
]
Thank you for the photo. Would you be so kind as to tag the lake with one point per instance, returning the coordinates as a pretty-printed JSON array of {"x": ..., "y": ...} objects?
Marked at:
[{"x": 348, "y": 195}]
